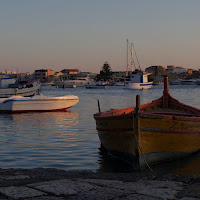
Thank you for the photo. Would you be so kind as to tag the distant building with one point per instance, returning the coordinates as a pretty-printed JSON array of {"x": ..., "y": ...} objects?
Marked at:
[
  {"x": 60, "y": 76},
  {"x": 190, "y": 71},
  {"x": 176, "y": 70},
  {"x": 155, "y": 69},
  {"x": 170, "y": 68},
  {"x": 23, "y": 76},
  {"x": 57, "y": 74},
  {"x": 2, "y": 74},
  {"x": 10, "y": 72},
  {"x": 42, "y": 75},
  {"x": 70, "y": 71}
]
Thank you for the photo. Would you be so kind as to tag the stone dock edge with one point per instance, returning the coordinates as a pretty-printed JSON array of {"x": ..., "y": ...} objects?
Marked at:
[{"x": 55, "y": 184}]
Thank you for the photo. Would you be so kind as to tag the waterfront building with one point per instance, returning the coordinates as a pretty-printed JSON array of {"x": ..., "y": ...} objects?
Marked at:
[
  {"x": 42, "y": 75},
  {"x": 190, "y": 71},
  {"x": 70, "y": 71},
  {"x": 176, "y": 70},
  {"x": 155, "y": 69}
]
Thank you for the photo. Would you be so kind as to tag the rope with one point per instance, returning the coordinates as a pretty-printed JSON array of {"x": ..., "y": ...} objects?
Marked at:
[
  {"x": 142, "y": 154},
  {"x": 192, "y": 89},
  {"x": 138, "y": 145},
  {"x": 137, "y": 58}
]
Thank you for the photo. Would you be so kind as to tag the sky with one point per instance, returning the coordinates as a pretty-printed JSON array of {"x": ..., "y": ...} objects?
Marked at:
[{"x": 84, "y": 34}]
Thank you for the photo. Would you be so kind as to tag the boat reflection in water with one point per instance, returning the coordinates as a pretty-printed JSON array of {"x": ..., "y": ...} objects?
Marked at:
[
  {"x": 39, "y": 139},
  {"x": 182, "y": 167},
  {"x": 61, "y": 120}
]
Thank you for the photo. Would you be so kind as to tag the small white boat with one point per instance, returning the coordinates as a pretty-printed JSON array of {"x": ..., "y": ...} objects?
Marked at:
[
  {"x": 37, "y": 103},
  {"x": 138, "y": 81},
  {"x": 138, "y": 78},
  {"x": 9, "y": 87},
  {"x": 79, "y": 82}
]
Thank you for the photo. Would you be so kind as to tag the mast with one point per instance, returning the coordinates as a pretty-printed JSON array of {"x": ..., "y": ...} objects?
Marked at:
[
  {"x": 127, "y": 59},
  {"x": 137, "y": 59},
  {"x": 131, "y": 56}
]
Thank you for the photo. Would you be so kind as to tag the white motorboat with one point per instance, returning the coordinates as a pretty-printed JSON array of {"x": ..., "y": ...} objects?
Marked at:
[
  {"x": 38, "y": 103},
  {"x": 138, "y": 81},
  {"x": 9, "y": 87},
  {"x": 79, "y": 82}
]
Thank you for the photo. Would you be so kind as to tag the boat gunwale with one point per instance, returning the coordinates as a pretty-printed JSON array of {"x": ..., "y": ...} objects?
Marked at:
[{"x": 194, "y": 114}]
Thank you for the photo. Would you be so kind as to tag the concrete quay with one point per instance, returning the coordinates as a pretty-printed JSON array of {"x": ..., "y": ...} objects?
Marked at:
[{"x": 54, "y": 184}]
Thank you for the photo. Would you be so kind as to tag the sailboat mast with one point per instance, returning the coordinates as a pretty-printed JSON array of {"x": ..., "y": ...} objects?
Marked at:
[
  {"x": 127, "y": 58},
  {"x": 131, "y": 56}
]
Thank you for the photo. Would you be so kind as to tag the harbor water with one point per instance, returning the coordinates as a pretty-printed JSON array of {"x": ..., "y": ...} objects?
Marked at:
[{"x": 69, "y": 140}]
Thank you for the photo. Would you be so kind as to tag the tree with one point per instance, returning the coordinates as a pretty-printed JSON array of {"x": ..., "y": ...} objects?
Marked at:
[{"x": 105, "y": 72}]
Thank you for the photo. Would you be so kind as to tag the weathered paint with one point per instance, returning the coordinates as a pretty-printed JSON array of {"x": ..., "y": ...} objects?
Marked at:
[{"x": 164, "y": 129}]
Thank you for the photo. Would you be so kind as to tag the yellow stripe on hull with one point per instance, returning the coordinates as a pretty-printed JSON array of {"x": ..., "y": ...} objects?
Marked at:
[{"x": 162, "y": 139}]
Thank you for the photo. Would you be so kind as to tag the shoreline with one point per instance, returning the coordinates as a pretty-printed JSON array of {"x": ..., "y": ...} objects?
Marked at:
[{"x": 51, "y": 183}]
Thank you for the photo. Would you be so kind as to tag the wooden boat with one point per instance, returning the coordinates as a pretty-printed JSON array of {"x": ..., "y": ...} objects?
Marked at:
[
  {"x": 37, "y": 103},
  {"x": 161, "y": 130}
]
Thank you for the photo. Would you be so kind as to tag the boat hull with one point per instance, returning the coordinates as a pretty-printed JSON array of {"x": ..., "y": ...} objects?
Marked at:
[
  {"x": 159, "y": 139},
  {"x": 162, "y": 130},
  {"x": 37, "y": 104},
  {"x": 117, "y": 136},
  {"x": 138, "y": 86},
  {"x": 167, "y": 139}
]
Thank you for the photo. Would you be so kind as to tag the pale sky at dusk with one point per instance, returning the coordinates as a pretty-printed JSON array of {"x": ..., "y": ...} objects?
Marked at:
[{"x": 83, "y": 34}]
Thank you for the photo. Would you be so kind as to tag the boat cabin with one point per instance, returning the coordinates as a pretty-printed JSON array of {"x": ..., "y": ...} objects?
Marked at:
[
  {"x": 5, "y": 82},
  {"x": 139, "y": 77}
]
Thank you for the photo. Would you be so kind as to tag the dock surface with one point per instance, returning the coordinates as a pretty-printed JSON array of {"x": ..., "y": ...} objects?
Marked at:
[{"x": 54, "y": 184}]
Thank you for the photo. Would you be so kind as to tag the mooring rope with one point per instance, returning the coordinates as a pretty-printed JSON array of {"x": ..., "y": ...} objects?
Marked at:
[{"x": 138, "y": 145}]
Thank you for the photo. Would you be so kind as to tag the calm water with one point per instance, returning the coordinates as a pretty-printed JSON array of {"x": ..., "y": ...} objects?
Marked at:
[{"x": 69, "y": 140}]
